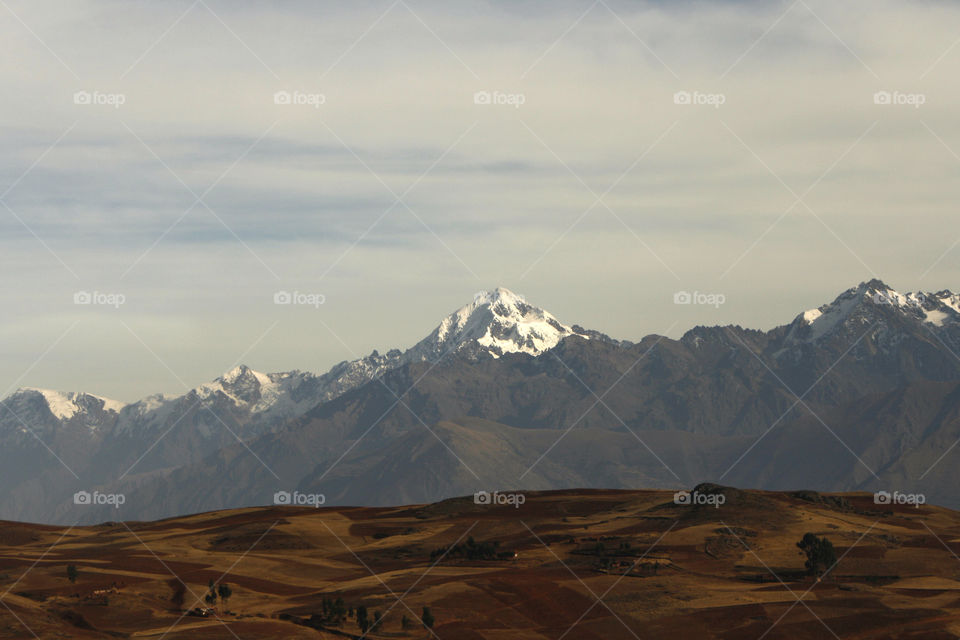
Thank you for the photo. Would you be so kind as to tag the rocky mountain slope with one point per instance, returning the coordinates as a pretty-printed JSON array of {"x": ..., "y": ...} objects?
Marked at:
[{"x": 502, "y": 394}]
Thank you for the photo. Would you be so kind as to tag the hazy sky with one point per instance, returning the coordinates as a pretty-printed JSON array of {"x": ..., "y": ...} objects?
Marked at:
[{"x": 186, "y": 188}]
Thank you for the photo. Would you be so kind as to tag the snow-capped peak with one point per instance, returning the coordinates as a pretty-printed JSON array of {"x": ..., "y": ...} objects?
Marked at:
[
  {"x": 869, "y": 298},
  {"x": 494, "y": 323},
  {"x": 276, "y": 394},
  {"x": 64, "y": 405},
  {"x": 244, "y": 374},
  {"x": 497, "y": 322},
  {"x": 241, "y": 384},
  {"x": 948, "y": 299}
]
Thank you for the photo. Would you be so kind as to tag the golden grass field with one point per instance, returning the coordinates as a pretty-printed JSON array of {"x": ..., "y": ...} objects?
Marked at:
[{"x": 689, "y": 572}]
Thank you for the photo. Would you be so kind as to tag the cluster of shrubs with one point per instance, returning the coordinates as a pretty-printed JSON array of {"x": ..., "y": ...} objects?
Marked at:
[
  {"x": 601, "y": 549},
  {"x": 473, "y": 550},
  {"x": 335, "y": 612}
]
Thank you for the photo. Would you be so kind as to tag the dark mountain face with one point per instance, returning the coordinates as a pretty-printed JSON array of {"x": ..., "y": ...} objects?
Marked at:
[
  {"x": 538, "y": 405},
  {"x": 901, "y": 439},
  {"x": 69, "y": 442}
]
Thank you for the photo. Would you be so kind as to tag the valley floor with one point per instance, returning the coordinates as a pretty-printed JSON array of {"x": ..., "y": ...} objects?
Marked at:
[{"x": 564, "y": 564}]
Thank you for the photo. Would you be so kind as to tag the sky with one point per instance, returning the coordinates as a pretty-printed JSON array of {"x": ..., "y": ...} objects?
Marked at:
[{"x": 170, "y": 168}]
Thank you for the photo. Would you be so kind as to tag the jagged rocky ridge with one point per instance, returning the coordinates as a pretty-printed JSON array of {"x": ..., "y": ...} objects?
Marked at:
[{"x": 503, "y": 380}]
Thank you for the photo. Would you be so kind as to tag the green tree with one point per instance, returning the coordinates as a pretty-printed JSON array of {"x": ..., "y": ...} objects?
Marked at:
[
  {"x": 362, "y": 620},
  {"x": 820, "y": 553},
  {"x": 224, "y": 591},
  {"x": 211, "y": 597},
  {"x": 72, "y": 573},
  {"x": 179, "y": 592},
  {"x": 427, "y": 618}
]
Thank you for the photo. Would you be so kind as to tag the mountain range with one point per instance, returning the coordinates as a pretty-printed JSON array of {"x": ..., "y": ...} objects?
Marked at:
[{"x": 862, "y": 393}]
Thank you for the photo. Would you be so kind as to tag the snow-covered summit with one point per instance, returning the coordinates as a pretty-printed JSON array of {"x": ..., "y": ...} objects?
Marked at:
[
  {"x": 31, "y": 410},
  {"x": 496, "y": 322},
  {"x": 67, "y": 404},
  {"x": 241, "y": 381},
  {"x": 871, "y": 301},
  {"x": 258, "y": 392}
]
